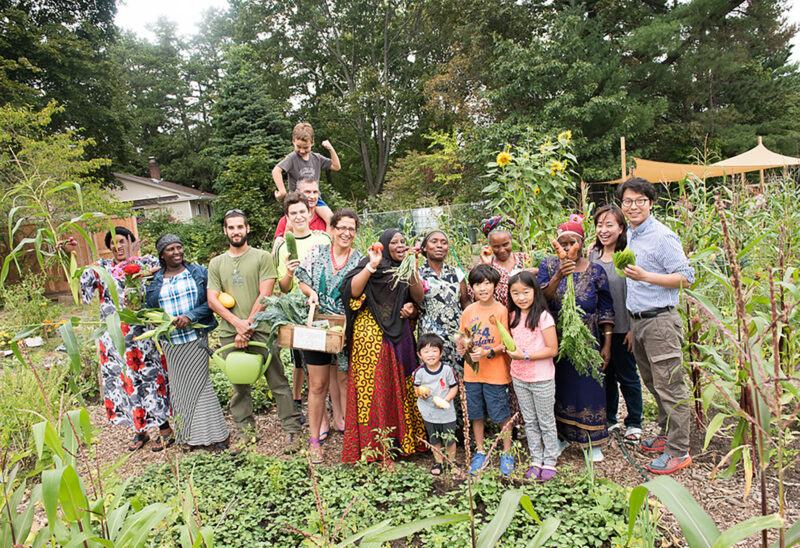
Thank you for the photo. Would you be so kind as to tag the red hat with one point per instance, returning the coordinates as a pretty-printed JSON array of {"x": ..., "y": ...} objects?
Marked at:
[{"x": 570, "y": 227}]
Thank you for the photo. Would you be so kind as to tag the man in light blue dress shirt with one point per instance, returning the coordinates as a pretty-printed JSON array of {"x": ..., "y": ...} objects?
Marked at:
[{"x": 656, "y": 334}]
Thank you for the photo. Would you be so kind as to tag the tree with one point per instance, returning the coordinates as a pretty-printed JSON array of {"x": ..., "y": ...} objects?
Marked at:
[
  {"x": 363, "y": 59},
  {"x": 58, "y": 49}
]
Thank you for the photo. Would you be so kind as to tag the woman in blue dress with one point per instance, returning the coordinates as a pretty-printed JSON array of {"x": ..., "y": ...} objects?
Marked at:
[{"x": 580, "y": 400}]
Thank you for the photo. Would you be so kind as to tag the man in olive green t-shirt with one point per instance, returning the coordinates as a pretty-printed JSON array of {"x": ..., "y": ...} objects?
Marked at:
[{"x": 248, "y": 275}]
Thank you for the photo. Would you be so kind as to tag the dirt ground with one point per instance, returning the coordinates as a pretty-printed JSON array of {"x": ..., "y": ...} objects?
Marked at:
[{"x": 722, "y": 499}]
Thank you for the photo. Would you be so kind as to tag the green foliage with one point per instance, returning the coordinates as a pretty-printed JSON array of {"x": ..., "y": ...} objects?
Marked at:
[
  {"x": 200, "y": 237},
  {"x": 22, "y": 403},
  {"x": 530, "y": 182},
  {"x": 26, "y": 301},
  {"x": 278, "y": 494}
]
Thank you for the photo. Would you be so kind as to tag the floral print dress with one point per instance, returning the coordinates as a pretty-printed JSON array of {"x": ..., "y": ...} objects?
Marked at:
[{"x": 135, "y": 387}]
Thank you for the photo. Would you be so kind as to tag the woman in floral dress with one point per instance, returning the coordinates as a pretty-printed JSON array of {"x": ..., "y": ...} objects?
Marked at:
[
  {"x": 135, "y": 387},
  {"x": 445, "y": 296}
]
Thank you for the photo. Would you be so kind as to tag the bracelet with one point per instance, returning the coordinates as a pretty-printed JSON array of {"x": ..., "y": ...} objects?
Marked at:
[
  {"x": 609, "y": 332},
  {"x": 370, "y": 269}
]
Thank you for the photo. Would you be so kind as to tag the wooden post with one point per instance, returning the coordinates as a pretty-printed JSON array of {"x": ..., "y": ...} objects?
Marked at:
[{"x": 624, "y": 162}]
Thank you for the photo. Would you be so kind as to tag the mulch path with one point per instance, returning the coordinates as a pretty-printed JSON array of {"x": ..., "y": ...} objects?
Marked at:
[{"x": 721, "y": 498}]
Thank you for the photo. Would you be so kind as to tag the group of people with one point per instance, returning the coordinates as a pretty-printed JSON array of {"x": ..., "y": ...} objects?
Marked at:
[{"x": 394, "y": 389}]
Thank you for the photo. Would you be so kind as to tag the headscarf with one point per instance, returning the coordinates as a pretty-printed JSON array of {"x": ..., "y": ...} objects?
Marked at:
[
  {"x": 166, "y": 240},
  {"x": 384, "y": 302},
  {"x": 570, "y": 227},
  {"x": 425, "y": 240},
  {"x": 498, "y": 222}
]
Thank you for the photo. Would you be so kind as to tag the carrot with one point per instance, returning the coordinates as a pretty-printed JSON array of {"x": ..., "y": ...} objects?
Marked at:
[
  {"x": 573, "y": 251},
  {"x": 559, "y": 250}
]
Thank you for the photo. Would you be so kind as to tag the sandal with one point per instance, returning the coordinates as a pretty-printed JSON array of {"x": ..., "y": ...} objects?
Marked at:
[
  {"x": 315, "y": 450},
  {"x": 163, "y": 441},
  {"x": 139, "y": 439},
  {"x": 633, "y": 434},
  {"x": 437, "y": 469}
]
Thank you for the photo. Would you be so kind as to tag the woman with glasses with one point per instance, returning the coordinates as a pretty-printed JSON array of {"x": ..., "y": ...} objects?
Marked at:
[{"x": 320, "y": 276}]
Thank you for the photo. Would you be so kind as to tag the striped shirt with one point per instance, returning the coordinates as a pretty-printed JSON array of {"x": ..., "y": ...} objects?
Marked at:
[
  {"x": 657, "y": 249},
  {"x": 179, "y": 296}
]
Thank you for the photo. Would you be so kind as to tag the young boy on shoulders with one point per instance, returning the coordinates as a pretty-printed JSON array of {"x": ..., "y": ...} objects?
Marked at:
[
  {"x": 304, "y": 163},
  {"x": 486, "y": 385},
  {"x": 436, "y": 386}
]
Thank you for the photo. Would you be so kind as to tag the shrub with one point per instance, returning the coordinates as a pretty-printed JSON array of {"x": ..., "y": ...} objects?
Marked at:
[{"x": 25, "y": 300}]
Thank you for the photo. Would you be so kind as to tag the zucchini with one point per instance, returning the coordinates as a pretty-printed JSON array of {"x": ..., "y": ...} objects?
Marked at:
[{"x": 291, "y": 246}]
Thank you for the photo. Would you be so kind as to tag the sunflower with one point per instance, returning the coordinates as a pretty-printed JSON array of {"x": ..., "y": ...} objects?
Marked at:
[
  {"x": 565, "y": 136},
  {"x": 536, "y": 191}
]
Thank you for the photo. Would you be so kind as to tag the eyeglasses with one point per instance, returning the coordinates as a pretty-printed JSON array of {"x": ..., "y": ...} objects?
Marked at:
[
  {"x": 350, "y": 229},
  {"x": 640, "y": 202}
]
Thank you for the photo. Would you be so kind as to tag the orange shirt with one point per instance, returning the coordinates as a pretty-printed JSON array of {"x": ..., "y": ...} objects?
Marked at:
[{"x": 476, "y": 320}]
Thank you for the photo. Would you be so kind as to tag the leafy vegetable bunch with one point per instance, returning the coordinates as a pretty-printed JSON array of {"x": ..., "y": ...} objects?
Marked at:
[{"x": 576, "y": 339}]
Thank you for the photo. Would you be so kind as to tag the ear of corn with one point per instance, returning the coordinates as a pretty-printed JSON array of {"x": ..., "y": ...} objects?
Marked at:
[
  {"x": 505, "y": 336},
  {"x": 291, "y": 246}
]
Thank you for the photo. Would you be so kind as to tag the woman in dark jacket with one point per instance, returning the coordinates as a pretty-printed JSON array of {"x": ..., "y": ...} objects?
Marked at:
[{"x": 180, "y": 289}]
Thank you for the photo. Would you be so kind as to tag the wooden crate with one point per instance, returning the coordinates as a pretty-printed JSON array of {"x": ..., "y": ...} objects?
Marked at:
[{"x": 314, "y": 338}]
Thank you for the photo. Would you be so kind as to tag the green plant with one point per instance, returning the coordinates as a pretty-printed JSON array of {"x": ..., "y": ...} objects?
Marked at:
[
  {"x": 200, "y": 237},
  {"x": 27, "y": 302},
  {"x": 530, "y": 182}
]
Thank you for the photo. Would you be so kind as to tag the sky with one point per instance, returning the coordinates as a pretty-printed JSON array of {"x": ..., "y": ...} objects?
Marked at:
[{"x": 137, "y": 15}]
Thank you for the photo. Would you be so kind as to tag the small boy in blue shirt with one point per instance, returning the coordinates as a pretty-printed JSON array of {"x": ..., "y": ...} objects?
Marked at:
[{"x": 436, "y": 386}]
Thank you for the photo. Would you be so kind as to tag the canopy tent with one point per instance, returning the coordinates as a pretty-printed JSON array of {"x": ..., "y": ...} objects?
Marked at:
[{"x": 758, "y": 158}]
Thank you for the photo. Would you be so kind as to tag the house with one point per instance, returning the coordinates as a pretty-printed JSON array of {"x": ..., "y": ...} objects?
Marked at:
[{"x": 183, "y": 202}]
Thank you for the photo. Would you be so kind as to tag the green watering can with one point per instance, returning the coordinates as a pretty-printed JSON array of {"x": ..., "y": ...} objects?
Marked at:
[{"x": 242, "y": 367}]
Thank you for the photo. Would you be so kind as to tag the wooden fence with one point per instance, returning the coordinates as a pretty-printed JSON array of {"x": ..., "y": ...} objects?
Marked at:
[{"x": 56, "y": 284}]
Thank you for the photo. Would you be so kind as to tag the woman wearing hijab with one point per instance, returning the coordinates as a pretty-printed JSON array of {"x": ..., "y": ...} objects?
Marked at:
[
  {"x": 180, "y": 289},
  {"x": 135, "y": 388},
  {"x": 380, "y": 395}
]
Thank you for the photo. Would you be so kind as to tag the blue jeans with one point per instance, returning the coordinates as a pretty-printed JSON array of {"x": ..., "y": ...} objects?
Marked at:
[{"x": 622, "y": 370}]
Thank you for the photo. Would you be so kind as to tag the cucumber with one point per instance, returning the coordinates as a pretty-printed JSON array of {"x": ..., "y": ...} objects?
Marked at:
[{"x": 291, "y": 246}]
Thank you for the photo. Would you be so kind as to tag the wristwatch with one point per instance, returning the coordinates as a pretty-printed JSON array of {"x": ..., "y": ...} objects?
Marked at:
[
  {"x": 526, "y": 355},
  {"x": 491, "y": 353}
]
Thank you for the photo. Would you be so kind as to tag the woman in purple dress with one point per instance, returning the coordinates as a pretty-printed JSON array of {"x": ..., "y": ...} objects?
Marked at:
[{"x": 580, "y": 400}]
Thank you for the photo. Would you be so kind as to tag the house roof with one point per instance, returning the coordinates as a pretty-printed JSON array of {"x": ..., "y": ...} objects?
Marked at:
[{"x": 184, "y": 192}]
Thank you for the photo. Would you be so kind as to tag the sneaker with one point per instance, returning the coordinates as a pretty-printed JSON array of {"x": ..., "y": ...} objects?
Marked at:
[
  {"x": 506, "y": 464},
  {"x": 659, "y": 443},
  {"x": 533, "y": 472},
  {"x": 547, "y": 473},
  {"x": 666, "y": 464},
  {"x": 596, "y": 454},
  {"x": 477, "y": 463}
]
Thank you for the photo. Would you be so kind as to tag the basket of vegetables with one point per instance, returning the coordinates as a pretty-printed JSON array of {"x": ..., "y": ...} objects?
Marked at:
[{"x": 321, "y": 332}]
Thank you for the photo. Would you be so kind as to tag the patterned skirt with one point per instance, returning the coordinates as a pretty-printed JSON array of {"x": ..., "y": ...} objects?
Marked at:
[
  {"x": 580, "y": 407},
  {"x": 382, "y": 416},
  {"x": 195, "y": 407}
]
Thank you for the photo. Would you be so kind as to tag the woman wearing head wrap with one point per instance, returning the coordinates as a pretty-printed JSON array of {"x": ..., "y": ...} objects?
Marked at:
[
  {"x": 445, "y": 296},
  {"x": 580, "y": 400},
  {"x": 380, "y": 396},
  {"x": 135, "y": 390},
  {"x": 498, "y": 230},
  {"x": 180, "y": 289}
]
